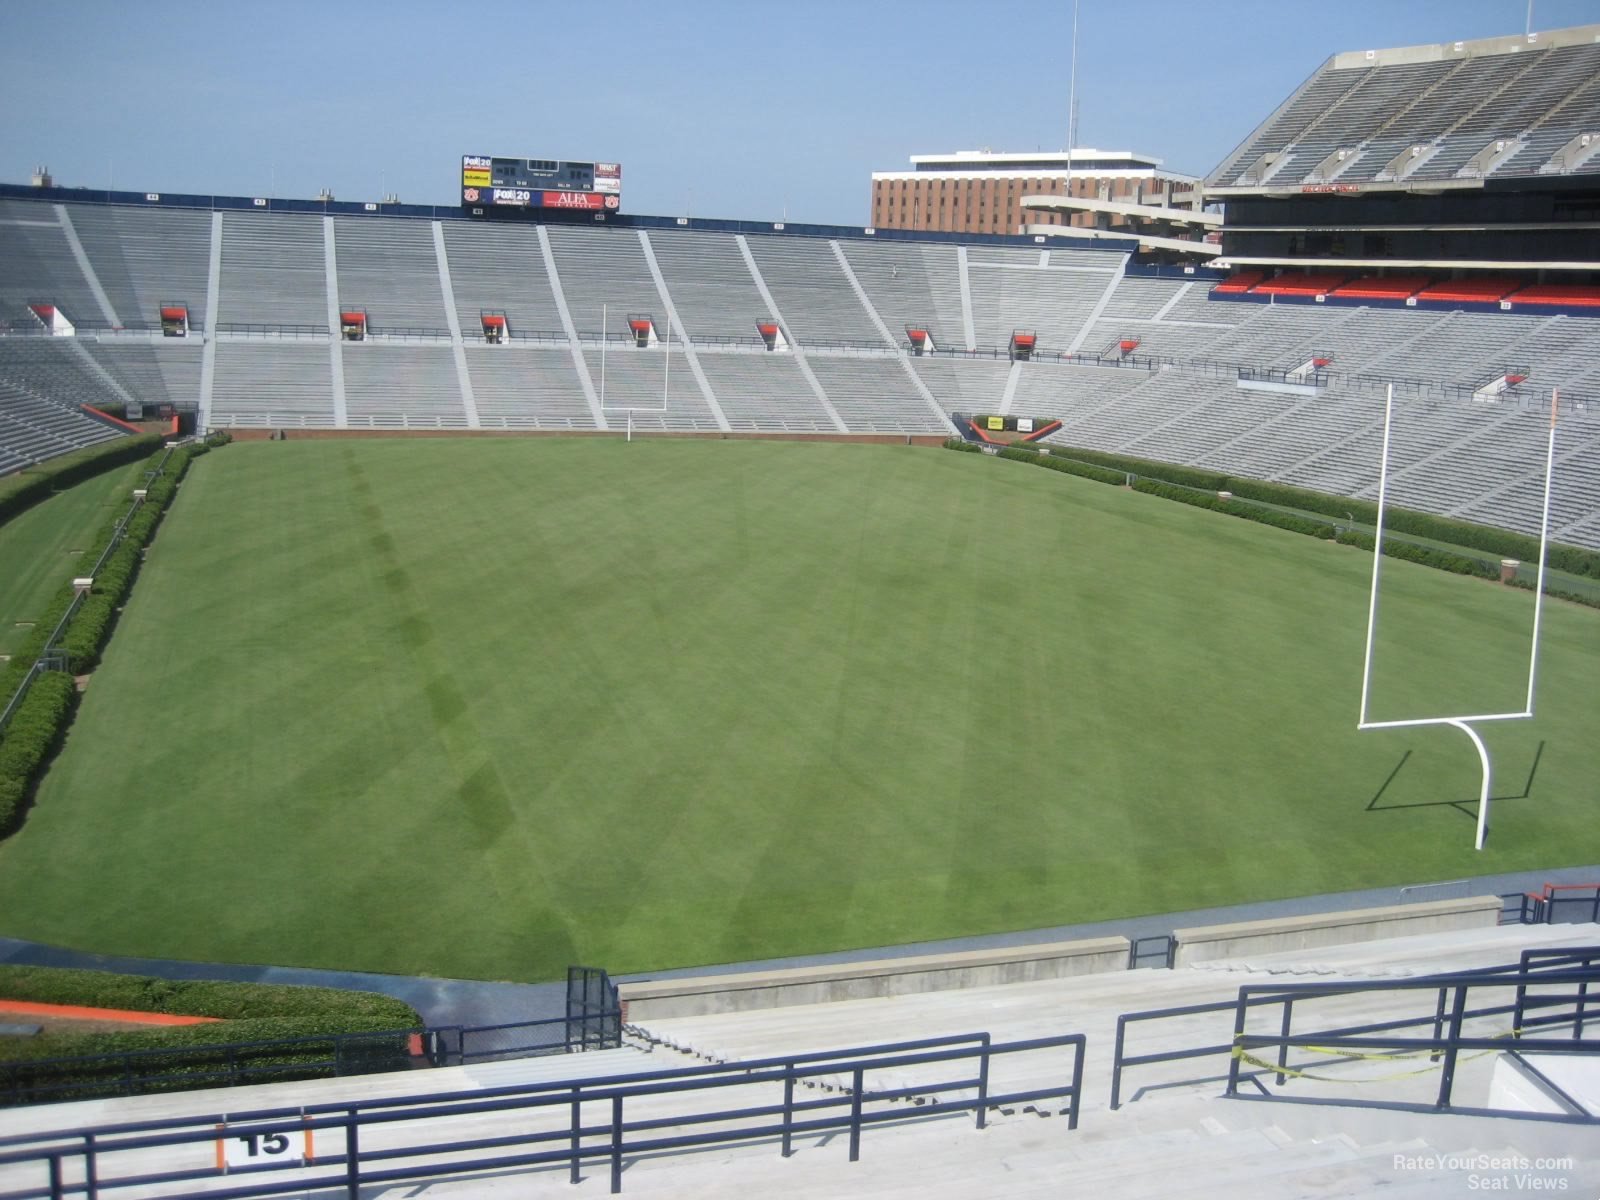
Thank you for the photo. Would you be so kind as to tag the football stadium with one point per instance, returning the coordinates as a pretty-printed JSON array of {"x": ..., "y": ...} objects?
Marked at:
[{"x": 526, "y": 696}]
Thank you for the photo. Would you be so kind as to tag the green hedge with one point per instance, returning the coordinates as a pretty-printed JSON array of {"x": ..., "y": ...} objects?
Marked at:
[
  {"x": 1042, "y": 458},
  {"x": 1493, "y": 541},
  {"x": 248, "y": 1012},
  {"x": 203, "y": 997},
  {"x": 29, "y": 738},
  {"x": 29, "y": 487},
  {"x": 1418, "y": 524},
  {"x": 1236, "y": 508},
  {"x": 84, "y": 637},
  {"x": 1208, "y": 481}
]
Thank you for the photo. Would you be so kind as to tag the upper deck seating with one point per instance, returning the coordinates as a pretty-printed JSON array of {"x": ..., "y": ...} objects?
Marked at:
[
  {"x": 1299, "y": 283},
  {"x": 1240, "y": 281},
  {"x": 1584, "y": 295},
  {"x": 1383, "y": 287},
  {"x": 1483, "y": 290}
]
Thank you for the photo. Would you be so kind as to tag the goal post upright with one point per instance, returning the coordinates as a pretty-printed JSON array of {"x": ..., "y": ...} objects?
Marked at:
[
  {"x": 665, "y": 376},
  {"x": 1465, "y": 722}
]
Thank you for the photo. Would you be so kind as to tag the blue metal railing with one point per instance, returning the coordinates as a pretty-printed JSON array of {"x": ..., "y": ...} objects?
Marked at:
[
  {"x": 1529, "y": 969},
  {"x": 89, "y": 1155},
  {"x": 1451, "y": 994}
]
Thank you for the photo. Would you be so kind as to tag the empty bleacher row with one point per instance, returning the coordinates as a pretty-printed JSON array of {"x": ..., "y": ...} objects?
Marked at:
[{"x": 275, "y": 359}]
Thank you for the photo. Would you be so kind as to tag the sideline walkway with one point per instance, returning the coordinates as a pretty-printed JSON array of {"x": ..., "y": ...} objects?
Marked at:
[{"x": 481, "y": 1002}]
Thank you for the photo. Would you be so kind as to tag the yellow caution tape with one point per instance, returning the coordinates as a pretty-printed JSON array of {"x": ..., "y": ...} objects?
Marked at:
[{"x": 1263, "y": 1064}]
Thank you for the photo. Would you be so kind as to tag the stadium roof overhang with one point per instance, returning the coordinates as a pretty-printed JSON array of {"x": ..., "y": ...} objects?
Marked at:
[
  {"x": 1152, "y": 213},
  {"x": 1432, "y": 187},
  {"x": 1127, "y": 240}
]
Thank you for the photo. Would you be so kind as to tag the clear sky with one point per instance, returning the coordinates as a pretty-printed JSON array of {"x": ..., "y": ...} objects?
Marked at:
[{"x": 715, "y": 108}]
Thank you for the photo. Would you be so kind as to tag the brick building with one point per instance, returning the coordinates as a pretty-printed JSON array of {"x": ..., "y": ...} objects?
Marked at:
[{"x": 980, "y": 191}]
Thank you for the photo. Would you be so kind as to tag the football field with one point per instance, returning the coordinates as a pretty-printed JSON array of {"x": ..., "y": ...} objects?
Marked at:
[{"x": 486, "y": 708}]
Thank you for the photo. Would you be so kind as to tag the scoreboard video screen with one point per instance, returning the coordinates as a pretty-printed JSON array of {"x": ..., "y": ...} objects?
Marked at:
[{"x": 527, "y": 183}]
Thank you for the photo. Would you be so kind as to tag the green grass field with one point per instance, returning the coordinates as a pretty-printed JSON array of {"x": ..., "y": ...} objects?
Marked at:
[
  {"x": 488, "y": 708},
  {"x": 37, "y": 548}
]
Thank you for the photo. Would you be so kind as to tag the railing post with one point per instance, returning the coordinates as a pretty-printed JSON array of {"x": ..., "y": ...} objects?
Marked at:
[
  {"x": 91, "y": 1168},
  {"x": 1116, "y": 1064},
  {"x": 352, "y": 1157},
  {"x": 1452, "y": 1048},
  {"x": 1077, "y": 1083},
  {"x": 855, "y": 1116},
  {"x": 616, "y": 1144},
  {"x": 788, "y": 1106},
  {"x": 983, "y": 1083},
  {"x": 1283, "y": 1032},
  {"x": 1238, "y": 1036},
  {"x": 575, "y": 1140},
  {"x": 55, "y": 1177},
  {"x": 1438, "y": 1020}
]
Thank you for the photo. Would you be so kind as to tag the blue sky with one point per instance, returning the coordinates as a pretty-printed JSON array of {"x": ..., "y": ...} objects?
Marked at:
[{"x": 718, "y": 109}]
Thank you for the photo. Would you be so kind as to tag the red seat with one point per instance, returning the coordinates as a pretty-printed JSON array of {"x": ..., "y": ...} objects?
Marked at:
[
  {"x": 1558, "y": 293},
  {"x": 1299, "y": 283},
  {"x": 1242, "y": 282},
  {"x": 1482, "y": 290},
  {"x": 1383, "y": 287}
]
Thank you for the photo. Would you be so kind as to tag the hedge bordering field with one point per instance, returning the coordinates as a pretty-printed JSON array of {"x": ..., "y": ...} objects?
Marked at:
[
  {"x": 34, "y": 484},
  {"x": 1500, "y": 543},
  {"x": 43, "y": 715},
  {"x": 1200, "y": 489},
  {"x": 247, "y": 1012}
]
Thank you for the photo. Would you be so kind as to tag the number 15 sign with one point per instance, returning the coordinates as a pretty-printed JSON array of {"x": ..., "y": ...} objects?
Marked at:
[{"x": 258, "y": 1149}]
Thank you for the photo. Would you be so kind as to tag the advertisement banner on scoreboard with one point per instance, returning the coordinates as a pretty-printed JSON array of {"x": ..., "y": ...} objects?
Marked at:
[
  {"x": 591, "y": 200},
  {"x": 608, "y": 177}
]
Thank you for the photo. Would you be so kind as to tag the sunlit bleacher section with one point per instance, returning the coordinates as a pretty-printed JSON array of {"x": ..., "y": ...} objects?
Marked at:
[
  {"x": 766, "y": 396},
  {"x": 268, "y": 384},
  {"x": 518, "y": 388},
  {"x": 713, "y": 292},
  {"x": 649, "y": 391},
  {"x": 33, "y": 429},
  {"x": 143, "y": 260},
  {"x": 39, "y": 265},
  {"x": 1053, "y": 294},
  {"x": 1427, "y": 113},
  {"x": 1131, "y": 358},
  {"x": 274, "y": 273},
  {"x": 501, "y": 267},
  {"x": 813, "y": 296},
  {"x": 388, "y": 269}
]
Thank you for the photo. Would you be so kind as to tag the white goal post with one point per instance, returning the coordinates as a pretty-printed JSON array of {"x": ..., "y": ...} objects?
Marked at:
[
  {"x": 666, "y": 375},
  {"x": 1463, "y": 722}
]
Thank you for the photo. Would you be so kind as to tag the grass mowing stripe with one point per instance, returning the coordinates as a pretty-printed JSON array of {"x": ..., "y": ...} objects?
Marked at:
[{"x": 487, "y": 708}]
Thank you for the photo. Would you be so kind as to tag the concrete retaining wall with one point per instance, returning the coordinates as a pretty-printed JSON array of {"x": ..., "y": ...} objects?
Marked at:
[
  {"x": 659, "y": 998},
  {"x": 1243, "y": 938}
]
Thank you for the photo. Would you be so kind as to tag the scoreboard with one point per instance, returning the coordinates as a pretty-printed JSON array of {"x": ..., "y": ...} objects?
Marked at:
[{"x": 512, "y": 183}]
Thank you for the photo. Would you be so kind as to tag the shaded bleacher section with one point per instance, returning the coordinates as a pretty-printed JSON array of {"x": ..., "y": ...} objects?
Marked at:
[
  {"x": 1496, "y": 108},
  {"x": 1129, "y": 359}
]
